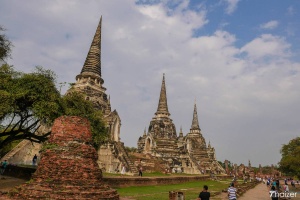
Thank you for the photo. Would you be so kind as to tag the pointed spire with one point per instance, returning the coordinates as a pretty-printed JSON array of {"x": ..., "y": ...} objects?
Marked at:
[
  {"x": 180, "y": 133},
  {"x": 92, "y": 64},
  {"x": 195, "y": 128},
  {"x": 108, "y": 108},
  {"x": 209, "y": 145},
  {"x": 162, "y": 104},
  {"x": 145, "y": 132}
]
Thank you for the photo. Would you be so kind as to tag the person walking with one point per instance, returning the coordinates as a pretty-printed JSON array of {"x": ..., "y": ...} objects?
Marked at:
[
  {"x": 34, "y": 159},
  {"x": 123, "y": 170},
  {"x": 286, "y": 190},
  {"x": 204, "y": 195},
  {"x": 141, "y": 171},
  {"x": 232, "y": 192},
  {"x": 274, "y": 193},
  {"x": 3, "y": 166}
]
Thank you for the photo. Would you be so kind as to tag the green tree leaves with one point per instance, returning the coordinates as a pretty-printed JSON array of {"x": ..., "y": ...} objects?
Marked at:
[
  {"x": 290, "y": 160},
  {"x": 29, "y": 100},
  {"x": 5, "y": 45},
  {"x": 74, "y": 104}
]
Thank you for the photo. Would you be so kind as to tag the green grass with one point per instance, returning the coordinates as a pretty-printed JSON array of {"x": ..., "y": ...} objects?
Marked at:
[
  {"x": 148, "y": 174},
  {"x": 161, "y": 192},
  {"x": 105, "y": 174}
]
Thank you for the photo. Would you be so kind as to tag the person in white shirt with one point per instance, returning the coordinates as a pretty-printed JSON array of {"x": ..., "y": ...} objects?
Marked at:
[{"x": 232, "y": 192}]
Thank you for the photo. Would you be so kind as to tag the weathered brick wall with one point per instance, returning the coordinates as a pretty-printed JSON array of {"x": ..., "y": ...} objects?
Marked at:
[{"x": 68, "y": 168}]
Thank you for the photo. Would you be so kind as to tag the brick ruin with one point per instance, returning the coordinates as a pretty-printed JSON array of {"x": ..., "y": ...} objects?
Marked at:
[
  {"x": 112, "y": 155},
  {"x": 68, "y": 168}
]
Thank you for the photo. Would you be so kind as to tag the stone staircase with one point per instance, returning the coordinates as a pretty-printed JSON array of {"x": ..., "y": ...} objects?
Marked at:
[
  {"x": 167, "y": 146},
  {"x": 221, "y": 169},
  {"x": 195, "y": 164},
  {"x": 15, "y": 150},
  {"x": 123, "y": 156}
]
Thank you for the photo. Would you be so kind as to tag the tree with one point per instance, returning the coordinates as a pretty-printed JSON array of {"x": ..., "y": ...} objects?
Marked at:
[
  {"x": 74, "y": 104},
  {"x": 5, "y": 45},
  {"x": 290, "y": 160},
  {"x": 29, "y": 100}
]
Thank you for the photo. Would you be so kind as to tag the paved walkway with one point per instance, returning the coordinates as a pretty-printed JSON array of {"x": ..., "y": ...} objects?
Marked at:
[{"x": 260, "y": 192}]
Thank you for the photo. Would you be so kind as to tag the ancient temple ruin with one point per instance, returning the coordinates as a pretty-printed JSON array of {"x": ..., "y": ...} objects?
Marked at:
[
  {"x": 68, "y": 168},
  {"x": 89, "y": 82},
  {"x": 189, "y": 153}
]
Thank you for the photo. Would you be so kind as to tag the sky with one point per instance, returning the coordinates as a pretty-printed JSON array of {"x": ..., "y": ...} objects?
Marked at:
[{"x": 238, "y": 58}]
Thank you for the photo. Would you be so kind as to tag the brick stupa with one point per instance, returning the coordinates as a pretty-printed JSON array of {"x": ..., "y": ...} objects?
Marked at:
[{"x": 68, "y": 167}]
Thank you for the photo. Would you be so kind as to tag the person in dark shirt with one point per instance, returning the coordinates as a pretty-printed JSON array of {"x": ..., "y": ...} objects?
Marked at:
[
  {"x": 34, "y": 159},
  {"x": 204, "y": 195}
]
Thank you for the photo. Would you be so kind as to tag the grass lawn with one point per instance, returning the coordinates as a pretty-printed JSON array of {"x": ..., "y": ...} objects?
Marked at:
[
  {"x": 152, "y": 174},
  {"x": 148, "y": 174},
  {"x": 161, "y": 192}
]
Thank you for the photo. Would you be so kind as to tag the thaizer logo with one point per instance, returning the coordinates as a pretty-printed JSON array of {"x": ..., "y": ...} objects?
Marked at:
[{"x": 283, "y": 194}]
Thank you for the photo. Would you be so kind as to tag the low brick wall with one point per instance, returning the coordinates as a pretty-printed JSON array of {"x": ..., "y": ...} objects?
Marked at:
[
  {"x": 19, "y": 172},
  {"x": 117, "y": 182}
]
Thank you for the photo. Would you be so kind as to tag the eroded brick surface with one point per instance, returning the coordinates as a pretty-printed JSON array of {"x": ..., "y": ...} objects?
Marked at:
[{"x": 68, "y": 168}]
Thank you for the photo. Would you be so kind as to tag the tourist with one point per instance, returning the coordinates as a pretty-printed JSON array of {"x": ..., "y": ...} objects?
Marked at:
[
  {"x": 273, "y": 193},
  {"x": 34, "y": 159},
  {"x": 232, "y": 192},
  {"x": 3, "y": 166},
  {"x": 123, "y": 170},
  {"x": 293, "y": 183},
  {"x": 268, "y": 183},
  {"x": 274, "y": 183},
  {"x": 277, "y": 184},
  {"x": 204, "y": 195},
  {"x": 141, "y": 171},
  {"x": 286, "y": 189}
]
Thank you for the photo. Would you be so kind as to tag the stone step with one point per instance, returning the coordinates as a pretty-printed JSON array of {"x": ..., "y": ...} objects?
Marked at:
[{"x": 15, "y": 150}]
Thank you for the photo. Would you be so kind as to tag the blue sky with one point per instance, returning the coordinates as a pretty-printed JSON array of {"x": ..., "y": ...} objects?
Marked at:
[{"x": 238, "y": 58}]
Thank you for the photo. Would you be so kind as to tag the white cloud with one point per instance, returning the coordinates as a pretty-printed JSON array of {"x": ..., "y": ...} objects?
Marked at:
[
  {"x": 253, "y": 97},
  {"x": 265, "y": 46},
  {"x": 232, "y": 6},
  {"x": 270, "y": 25}
]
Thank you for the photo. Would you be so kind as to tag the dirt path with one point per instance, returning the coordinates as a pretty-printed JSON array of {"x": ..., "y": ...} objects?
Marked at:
[
  {"x": 260, "y": 192},
  {"x": 7, "y": 183}
]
